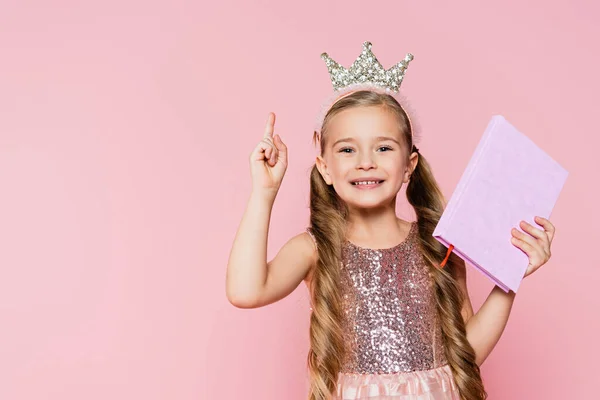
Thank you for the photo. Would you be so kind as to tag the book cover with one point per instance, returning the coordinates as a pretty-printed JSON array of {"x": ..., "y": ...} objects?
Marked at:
[{"x": 508, "y": 179}]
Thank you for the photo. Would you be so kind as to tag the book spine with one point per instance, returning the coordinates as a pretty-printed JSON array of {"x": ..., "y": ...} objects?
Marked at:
[{"x": 472, "y": 262}]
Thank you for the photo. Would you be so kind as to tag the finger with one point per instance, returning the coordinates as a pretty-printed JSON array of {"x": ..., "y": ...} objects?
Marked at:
[
  {"x": 260, "y": 151},
  {"x": 533, "y": 231},
  {"x": 272, "y": 154},
  {"x": 270, "y": 142},
  {"x": 548, "y": 227},
  {"x": 275, "y": 153},
  {"x": 282, "y": 148},
  {"x": 271, "y": 158},
  {"x": 525, "y": 238},
  {"x": 270, "y": 126},
  {"x": 524, "y": 246}
]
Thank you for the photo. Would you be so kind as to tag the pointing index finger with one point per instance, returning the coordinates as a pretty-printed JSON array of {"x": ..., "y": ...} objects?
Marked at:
[{"x": 270, "y": 126}]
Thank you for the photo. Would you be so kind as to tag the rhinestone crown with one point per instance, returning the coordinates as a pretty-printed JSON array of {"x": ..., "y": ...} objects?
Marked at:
[{"x": 366, "y": 69}]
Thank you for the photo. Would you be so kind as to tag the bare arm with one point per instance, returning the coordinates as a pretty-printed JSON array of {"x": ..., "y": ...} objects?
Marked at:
[
  {"x": 251, "y": 281},
  {"x": 292, "y": 264},
  {"x": 486, "y": 326},
  {"x": 247, "y": 266}
]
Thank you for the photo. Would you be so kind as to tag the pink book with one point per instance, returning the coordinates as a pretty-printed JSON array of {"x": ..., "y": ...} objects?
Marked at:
[{"x": 508, "y": 179}]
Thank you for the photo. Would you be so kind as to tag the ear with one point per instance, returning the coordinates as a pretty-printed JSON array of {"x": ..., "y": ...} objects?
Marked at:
[
  {"x": 410, "y": 168},
  {"x": 322, "y": 167}
]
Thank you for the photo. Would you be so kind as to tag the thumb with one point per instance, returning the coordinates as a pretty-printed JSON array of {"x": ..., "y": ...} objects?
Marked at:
[{"x": 282, "y": 148}]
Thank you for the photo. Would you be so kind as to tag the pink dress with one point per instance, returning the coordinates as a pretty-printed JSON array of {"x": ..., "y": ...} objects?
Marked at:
[{"x": 393, "y": 335}]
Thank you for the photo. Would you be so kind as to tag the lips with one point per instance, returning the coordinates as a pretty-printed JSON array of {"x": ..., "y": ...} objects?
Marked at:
[{"x": 366, "y": 181}]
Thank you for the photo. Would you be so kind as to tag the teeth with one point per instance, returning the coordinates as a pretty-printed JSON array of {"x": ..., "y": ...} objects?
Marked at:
[{"x": 366, "y": 183}]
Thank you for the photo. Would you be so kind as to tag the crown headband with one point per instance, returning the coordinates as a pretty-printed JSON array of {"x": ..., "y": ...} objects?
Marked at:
[{"x": 366, "y": 73}]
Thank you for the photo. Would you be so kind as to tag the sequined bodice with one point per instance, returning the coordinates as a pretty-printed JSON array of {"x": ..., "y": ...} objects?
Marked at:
[{"x": 390, "y": 321}]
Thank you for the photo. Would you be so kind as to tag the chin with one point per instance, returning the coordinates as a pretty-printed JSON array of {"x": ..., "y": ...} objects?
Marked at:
[
  {"x": 367, "y": 203},
  {"x": 377, "y": 198}
]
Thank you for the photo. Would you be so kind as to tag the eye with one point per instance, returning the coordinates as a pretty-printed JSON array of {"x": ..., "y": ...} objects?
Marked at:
[
  {"x": 343, "y": 150},
  {"x": 386, "y": 147}
]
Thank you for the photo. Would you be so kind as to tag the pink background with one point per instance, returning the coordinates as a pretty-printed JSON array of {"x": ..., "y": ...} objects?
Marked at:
[{"x": 125, "y": 131}]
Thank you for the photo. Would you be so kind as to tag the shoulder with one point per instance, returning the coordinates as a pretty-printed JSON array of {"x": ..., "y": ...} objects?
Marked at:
[
  {"x": 303, "y": 244},
  {"x": 301, "y": 249},
  {"x": 311, "y": 236},
  {"x": 290, "y": 266},
  {"x": 310, "y": 249}
]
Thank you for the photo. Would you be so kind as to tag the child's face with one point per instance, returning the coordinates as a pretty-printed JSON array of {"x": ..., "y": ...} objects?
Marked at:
[{"x": 365, "y": 142}]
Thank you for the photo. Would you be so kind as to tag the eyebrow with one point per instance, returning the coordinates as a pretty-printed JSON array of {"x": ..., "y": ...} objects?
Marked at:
[{"x": 379, "y": 138}]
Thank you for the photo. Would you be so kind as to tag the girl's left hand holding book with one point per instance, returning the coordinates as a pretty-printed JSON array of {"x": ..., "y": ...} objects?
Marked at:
[{"x": 536, "y": 245}]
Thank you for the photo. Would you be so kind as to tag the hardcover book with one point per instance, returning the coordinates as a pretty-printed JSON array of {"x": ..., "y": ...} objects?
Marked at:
[{"x": 508, "y": 179}]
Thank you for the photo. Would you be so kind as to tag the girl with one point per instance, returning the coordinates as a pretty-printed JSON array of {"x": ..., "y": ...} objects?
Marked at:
[{"x": 391, "y": 318}]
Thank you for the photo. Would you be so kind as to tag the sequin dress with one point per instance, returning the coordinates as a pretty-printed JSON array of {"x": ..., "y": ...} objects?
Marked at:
[{"x": 394, "y": 345}]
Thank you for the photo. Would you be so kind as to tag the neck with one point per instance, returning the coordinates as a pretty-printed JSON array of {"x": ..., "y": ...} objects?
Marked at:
[{"x": 378, "y": 228}]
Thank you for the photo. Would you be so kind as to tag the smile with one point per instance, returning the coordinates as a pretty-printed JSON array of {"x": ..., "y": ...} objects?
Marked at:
[{"x": 367, "y": 184}]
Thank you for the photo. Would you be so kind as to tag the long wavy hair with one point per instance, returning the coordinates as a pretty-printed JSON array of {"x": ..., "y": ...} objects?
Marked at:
[{"x": 328, "y": 215}]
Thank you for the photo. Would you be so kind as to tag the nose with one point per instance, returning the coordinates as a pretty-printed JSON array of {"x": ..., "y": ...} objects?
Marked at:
[{"x": 366, "y": 161}]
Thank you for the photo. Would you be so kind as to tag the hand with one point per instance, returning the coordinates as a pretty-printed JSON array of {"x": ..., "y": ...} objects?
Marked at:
[
  {"x": 268, "y": 160},
  {"x": 536, "y": 246}
]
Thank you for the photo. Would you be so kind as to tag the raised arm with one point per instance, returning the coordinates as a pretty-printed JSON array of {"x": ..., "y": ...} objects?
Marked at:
[
  {"x": 250, "y": 280},
  {"x": 485, "y": 327}
]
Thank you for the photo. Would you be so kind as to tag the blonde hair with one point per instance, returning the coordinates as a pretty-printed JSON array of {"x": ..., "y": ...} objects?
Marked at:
[{"x": 328, "y": 222}]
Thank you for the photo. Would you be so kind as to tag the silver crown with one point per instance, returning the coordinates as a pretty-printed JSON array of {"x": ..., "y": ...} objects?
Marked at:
[{"x": 366, "y": 69}]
